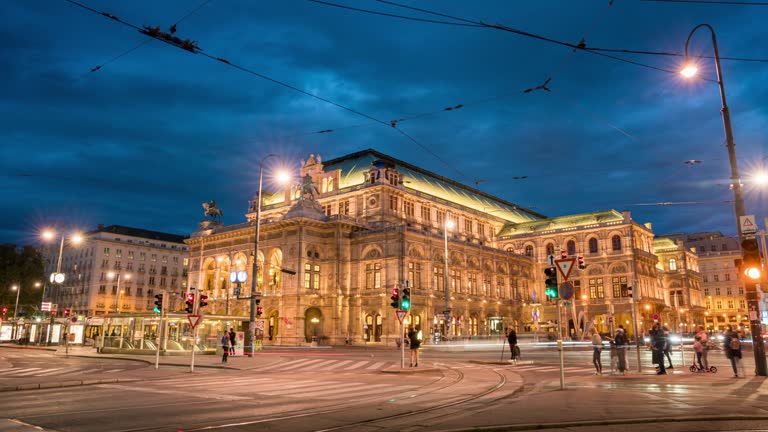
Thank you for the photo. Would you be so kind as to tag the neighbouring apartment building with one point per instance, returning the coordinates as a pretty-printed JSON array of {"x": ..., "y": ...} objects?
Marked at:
[{"x": 141, "y": 262}]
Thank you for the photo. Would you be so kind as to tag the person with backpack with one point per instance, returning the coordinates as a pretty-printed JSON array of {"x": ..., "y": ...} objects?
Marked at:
[
  {"x": 621, "y": 341},
  {"x": 668, "y": 349},
  {"x": 659, "y": 345},
  {"x": 732, "y": 347},
  {"x": 512, "y": 339}
]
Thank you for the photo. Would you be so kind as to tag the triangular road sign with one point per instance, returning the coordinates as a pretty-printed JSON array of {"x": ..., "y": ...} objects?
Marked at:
[
  {"x": 565, "y": 266},
  {"x": 401, "y": 314},
  {"x": 194, "y": 320}
]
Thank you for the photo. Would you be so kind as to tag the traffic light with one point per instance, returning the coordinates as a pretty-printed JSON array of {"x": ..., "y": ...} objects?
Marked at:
[
  {"x": 582, "y": 266},
  {"x": 190, "y": 303},
  {"x": 158, "y": 303},
  {"x": 629, "y": 291},
  {"x": 66, "y": 312},
  {"x": 563, "y": 254},
  {"x": 751, "y": 265},
  {"x": 259, "y": 309},
  {"x": 395, "y": 297},
  {"x": 551, "y": 282},
  {"x": 203, "y": 300},
  {"x": 5, "y": 310},
  {"x": 405, "y": 304}
]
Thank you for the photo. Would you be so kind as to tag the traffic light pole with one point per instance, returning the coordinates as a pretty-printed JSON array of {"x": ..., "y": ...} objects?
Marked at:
[
  {"x": 758, "y": 345},
  {"x": 560, "y": 346},
  {"x": 194, "y": 333},
  {"x": 161, "y": 329}
]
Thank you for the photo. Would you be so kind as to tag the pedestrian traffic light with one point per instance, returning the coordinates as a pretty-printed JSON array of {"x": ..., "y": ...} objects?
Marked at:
[
  {"x": 582, "y": 266},
  {"x": 190, "y": 303},
  {"x": 203, "y": 300},
  {"x": 629, "y": 291},
  {"x": 551, "y": 282},
  {"x": 66, "y": 312},
  {"x": 751, "y": 265},
  {"x": 395, "y": 297},
  {"x": 259, "y": 311},
  {"x": 158, "y": 303},
  {"x": 405, "y": 304}
]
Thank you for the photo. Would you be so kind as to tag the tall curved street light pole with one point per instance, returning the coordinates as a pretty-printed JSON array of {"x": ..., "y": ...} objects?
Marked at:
[
  {"x": 254, "y": 284},
  {"x": 448, "y": 318},
  {"x": 689, "y": 71},
  {"x": 738, "y": 201}
]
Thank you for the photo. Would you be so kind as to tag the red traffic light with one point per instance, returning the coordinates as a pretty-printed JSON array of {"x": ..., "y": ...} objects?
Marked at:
[
  {"x": 66, "y": 312},
  {"x": 5, "y": 310},
  {"x": 563, "y": 255},
  {"x": 259, "y": 311},
  {"x": 190, "y": 297}
]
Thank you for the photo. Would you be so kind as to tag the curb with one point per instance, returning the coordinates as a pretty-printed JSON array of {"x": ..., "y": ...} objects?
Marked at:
[
  {"x": 584, "y": 423},
  {"x": 409, "y": 370},
  {"x": 75, "y": 383}
]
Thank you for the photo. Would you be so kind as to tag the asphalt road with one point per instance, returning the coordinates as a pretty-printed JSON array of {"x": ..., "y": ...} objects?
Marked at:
[{"x": 456, "y": 387}]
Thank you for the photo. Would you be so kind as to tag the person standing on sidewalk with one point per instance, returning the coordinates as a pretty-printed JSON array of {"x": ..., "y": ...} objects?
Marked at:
[
  {"x": 668, "y": 349},
  {"x": 659, "y": 345},
  {"x": 225, "y": 347},
  {"x": 732, "y": 347},
  {"x": 621, "y": 341},
  {"x": 698, "y": 348},
  {"x": 414, "y": 341},
  {"x": 232, "y": 340},
  {"x": 597, "y": 349},
  {"x": 512, "y": 339}
]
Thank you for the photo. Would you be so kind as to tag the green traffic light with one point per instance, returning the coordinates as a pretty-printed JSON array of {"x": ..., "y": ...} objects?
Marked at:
[
  {"x": 406, "y": 304},
  {"x": 156, "y": 309}
]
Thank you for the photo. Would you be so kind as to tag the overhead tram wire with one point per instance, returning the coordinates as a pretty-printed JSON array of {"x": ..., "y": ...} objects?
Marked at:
[
  {"x": 715, "y": 2},
  {"x": 194, "y": 49},
  {"x": 394, "y": 15},
  {"x": 145, "y": 41}
]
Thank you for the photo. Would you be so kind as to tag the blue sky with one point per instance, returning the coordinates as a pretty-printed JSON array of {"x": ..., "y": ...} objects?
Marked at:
[{"x": 148, "y": 137}]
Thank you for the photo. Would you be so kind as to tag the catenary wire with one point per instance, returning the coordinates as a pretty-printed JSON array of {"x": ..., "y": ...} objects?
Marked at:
[
  {"x": 740, "y": 3},
  {"x": 394, "y": 15},
  {"x": 146, "y": 41},
  {"x": 197, "y": 50}
]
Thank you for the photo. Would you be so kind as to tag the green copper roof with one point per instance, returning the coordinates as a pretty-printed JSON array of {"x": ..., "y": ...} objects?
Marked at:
[
  {"x": 570, "y": 221},
  {"x": 661, "y": 244},
  {"x": 354, "y": 166}
]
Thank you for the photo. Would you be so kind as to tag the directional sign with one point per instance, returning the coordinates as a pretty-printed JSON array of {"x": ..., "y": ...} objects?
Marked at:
[
  {"x": 566, "y": 290},
  {"x": 565, "y": 266},
  {"x": 400, "y": 315},
  {"x": 46, "y": 307},
  {"x": 194, "y": 320}
]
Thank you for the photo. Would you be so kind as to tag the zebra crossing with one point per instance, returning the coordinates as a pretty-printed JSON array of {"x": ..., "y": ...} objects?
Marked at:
[
  {"x": 19, "y": 372},
  {"x": 329, "y": 365},
  {"x": 552, "y": 368},
  {"x": 252, "y": 387}
]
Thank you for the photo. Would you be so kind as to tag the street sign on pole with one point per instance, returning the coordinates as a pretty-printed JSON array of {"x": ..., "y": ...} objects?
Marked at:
[
  {"x": 564, "y": 266},
  {"x": 566, "y": 290},
  {"x": 194, "y": 320},
  {"x": 401, "y": 314},
  {"x": 45, "y": 307},
  {"x": 748, "y": 225}
]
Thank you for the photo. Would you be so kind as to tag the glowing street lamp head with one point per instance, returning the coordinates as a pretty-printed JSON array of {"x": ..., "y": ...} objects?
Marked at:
[
  {"x": 110, "y": 274},
  {"x": 689, "y": 71},
  {"x": 48, "y": 235},
  {"x": 752, "y": 273},
  {"x": 15, "y": 287},
  {"x": 449, "y": 224},
  {"x": 283, "y": 177},
  {"x": 76, "y": 238},
  {"x": 761, "y": 179}
]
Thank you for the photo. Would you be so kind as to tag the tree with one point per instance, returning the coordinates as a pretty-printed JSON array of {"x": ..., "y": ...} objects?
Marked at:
[{"x": 24, "y": 268}]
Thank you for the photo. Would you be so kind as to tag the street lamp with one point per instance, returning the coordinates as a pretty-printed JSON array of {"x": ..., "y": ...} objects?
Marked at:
[
  {"x": 448, "y": 225},
  {"x": 761, "y": 366},
  {"x": 16, "y": 308},
  {"x": 689, "y": 71},
  {"x": 282, "y": 177},
  {"x": 119, "y": 276}
]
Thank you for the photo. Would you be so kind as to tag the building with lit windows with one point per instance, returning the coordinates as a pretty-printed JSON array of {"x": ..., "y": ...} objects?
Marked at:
[
  {"x": 678, "y": 271},
  {"x": 722, "y": 285},
  {"x": 332, "y": 250},
  {"x": 144, "y": 262}
]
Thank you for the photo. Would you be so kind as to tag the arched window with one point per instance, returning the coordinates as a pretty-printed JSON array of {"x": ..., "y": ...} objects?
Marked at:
[
  {"x": 616, "y": 243},
  {"x": 550, "y": 248},
  {"x": 571, "y": 247},
  {"x": 593, "y": 245},
  {"x": 672, "y": 264},
  {"x": 529, "y": 251}
]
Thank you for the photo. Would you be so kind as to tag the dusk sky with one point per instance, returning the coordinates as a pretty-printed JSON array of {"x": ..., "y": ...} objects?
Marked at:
[{"x": 149, "y": 136}]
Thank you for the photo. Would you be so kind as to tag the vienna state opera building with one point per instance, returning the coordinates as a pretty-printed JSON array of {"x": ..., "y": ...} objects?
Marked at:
[{"x": 334, "y": 246}]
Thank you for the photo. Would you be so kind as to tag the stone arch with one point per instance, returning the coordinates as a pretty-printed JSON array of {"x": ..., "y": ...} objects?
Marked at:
[
  {"x": 529, "y": 250},
  {"x": 473, "y": 263},
  {"x": 456, "y": 259},
  {"x": 619, "y": 268},
  {"x": 313, "y": 324},
  {"x": 415, "y": 252},
  {"x": 372, "y": 252},
  {"x": 595, "y": 270}
]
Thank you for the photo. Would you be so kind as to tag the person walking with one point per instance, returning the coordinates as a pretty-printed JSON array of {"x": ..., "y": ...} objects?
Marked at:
[
  {"x": 659, "y": 345},
  {"x": 597, "y": 349},
  {"x": 705, "y": 344},
  {"x": 97, "y": 342},
  {"x": 232, "y": 340},
  {"x": 225, "y": 347},
  {"x": 732, "y": 347},
  {"x": 621, "y": 341},
  {"x": 668, "y": 349},
  {"x": 512, "y": 339},
  {"x": 414, "y": 341}
]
